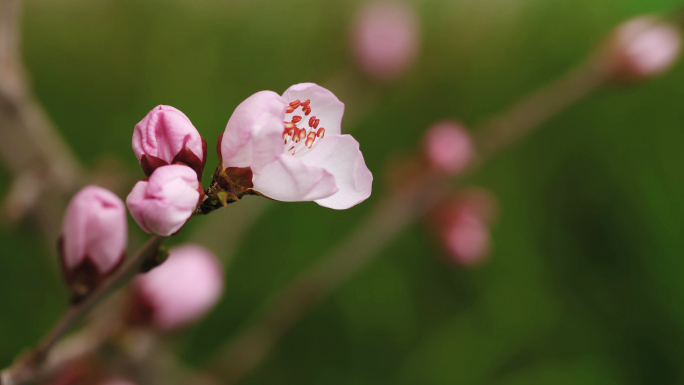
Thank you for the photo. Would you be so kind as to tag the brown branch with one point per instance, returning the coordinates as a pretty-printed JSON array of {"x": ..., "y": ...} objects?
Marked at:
[
  {"x": 29, "y": 142},
  {"x": 252, "y": 346},
  {"x": 29, "y": 366}
]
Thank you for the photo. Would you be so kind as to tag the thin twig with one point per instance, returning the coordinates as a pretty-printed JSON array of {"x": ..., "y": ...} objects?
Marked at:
[
  {"x": 28, "y": 366},
  {"x": 251, "y": 346}
]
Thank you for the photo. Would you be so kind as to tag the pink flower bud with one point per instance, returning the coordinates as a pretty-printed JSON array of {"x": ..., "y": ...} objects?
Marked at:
[
  {"x": 166, "y": 136},
  {"x": 449, "y": 147},
  {"x": 178, "y": 292},
  {"x": 467, "y": 240},
  {"x": 94, "y": 237},
  {"x": 386, "y": 39},
  {"x": 642, "y": 47},
  {"x": 463, "y": 225},
  {"x": 162, "y": 203}
]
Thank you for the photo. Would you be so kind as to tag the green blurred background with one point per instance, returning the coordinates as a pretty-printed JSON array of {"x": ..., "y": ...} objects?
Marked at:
[{"x": 584, "y": 283}]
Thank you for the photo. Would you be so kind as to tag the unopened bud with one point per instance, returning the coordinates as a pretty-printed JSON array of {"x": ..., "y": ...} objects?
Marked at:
[
  {"x": 162, "y": 203},
  {"x": 640, "y": 48},
  {"x": 166, "y": 136},
  {"x": 386, "y": 39},
  {"x": 94, "y": 237},
  {"x": 178, "y": 292},
  {"x": 448, "y": 148},
  {"x": 462, "y": 224}
]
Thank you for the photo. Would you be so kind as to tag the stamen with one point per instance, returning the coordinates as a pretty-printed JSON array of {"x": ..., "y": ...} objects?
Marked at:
[
  {"x": 302, "y": 134},
  {"x": 296, "y": 119},
  {"x": 321, "y": 132},
  {"x": 315, "y": 125},
  {"x": 307, "y": 110},
  {"x": 306, "y": 102},
  {"x": 312, "y": 120},
  {"x": 289, "y": 125},
  {"x": 289, "y": 109},
  {"x": 295, "y": 104}
]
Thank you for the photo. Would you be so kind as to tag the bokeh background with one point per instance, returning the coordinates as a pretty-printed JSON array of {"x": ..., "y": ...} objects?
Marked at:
[{"x": 584, "y": 281}]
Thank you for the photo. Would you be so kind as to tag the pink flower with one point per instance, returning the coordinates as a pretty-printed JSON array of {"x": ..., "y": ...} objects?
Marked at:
[
  {"x": 386, "y": 39},
  {"x": 179, "y": 291},
  {"x": 294, "y": 148},
  {"x": 94, "y": 237},
  {"x": 449, "y": 148},
  {"x": 162, "y": 203},
  {"x": 644, "y": 47},
  {"x": 166, "y": 136}
]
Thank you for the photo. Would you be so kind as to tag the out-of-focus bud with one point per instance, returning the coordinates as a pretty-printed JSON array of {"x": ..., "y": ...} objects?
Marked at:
[
  {"x": 94, "y": 238},
  {"x": 462, "y": 223},
  {"x": 178, "y": 292},
  {"x": 162, "y": 203},
  {"x": 386, "y": 39},
  {"x": 166, "y": 136},
  {"x": 640, "y": 48},
  {"x": 449, "y": 147}
]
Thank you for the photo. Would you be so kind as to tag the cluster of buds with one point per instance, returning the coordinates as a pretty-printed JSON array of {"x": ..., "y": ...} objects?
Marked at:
[{"x": 172, "y": 154}]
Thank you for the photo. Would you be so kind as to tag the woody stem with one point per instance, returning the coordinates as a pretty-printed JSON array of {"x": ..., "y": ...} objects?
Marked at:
[{"x": 28, "y": 367}]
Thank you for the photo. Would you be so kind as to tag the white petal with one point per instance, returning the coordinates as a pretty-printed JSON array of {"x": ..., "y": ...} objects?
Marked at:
[
  {"x": 290, "y": 180},
  {"x": 324, "y": 105},
  {"x": 253, "y": 136},
  {"x": 340, "y": 156}
]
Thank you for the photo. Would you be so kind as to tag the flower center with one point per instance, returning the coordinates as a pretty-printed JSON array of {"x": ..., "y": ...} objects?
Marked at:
[{"x": 301, "y": 132}]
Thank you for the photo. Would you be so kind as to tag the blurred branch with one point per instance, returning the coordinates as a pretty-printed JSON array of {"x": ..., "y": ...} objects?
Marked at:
[
  {"x": 29, "y": 366},
  {"x": 30, "y": 145},
  {"x": 251, "y": 346}
]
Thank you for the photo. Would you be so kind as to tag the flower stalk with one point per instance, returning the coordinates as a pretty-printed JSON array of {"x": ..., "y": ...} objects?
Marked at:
[{"x": 28, "y": 367}]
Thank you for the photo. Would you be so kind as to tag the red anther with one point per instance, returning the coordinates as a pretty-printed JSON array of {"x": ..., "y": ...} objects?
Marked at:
[
  {"x": 312, "y": 135},
  {"x": 302, "y": 134},
  {"x": 309, "y": 142},
  {"x": 315, "y": 125},
  {"x": 295, "y": 104},
  {"x": 289, "y": 109},
  {"x": 306, "y": 102},
  {"x": 307, "y": 111},
  {"x": 291, "y": 148},
  {"x": 312, "y": 120},
  {"x": 289, "y": 125},
  {"x": 321, "y": 132},
  {"x": 291, "y": 132},
  {"x": 296, "y": 119},
  {"x": 284, "y": 141},
  {"x": 285, "y": 135}
]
